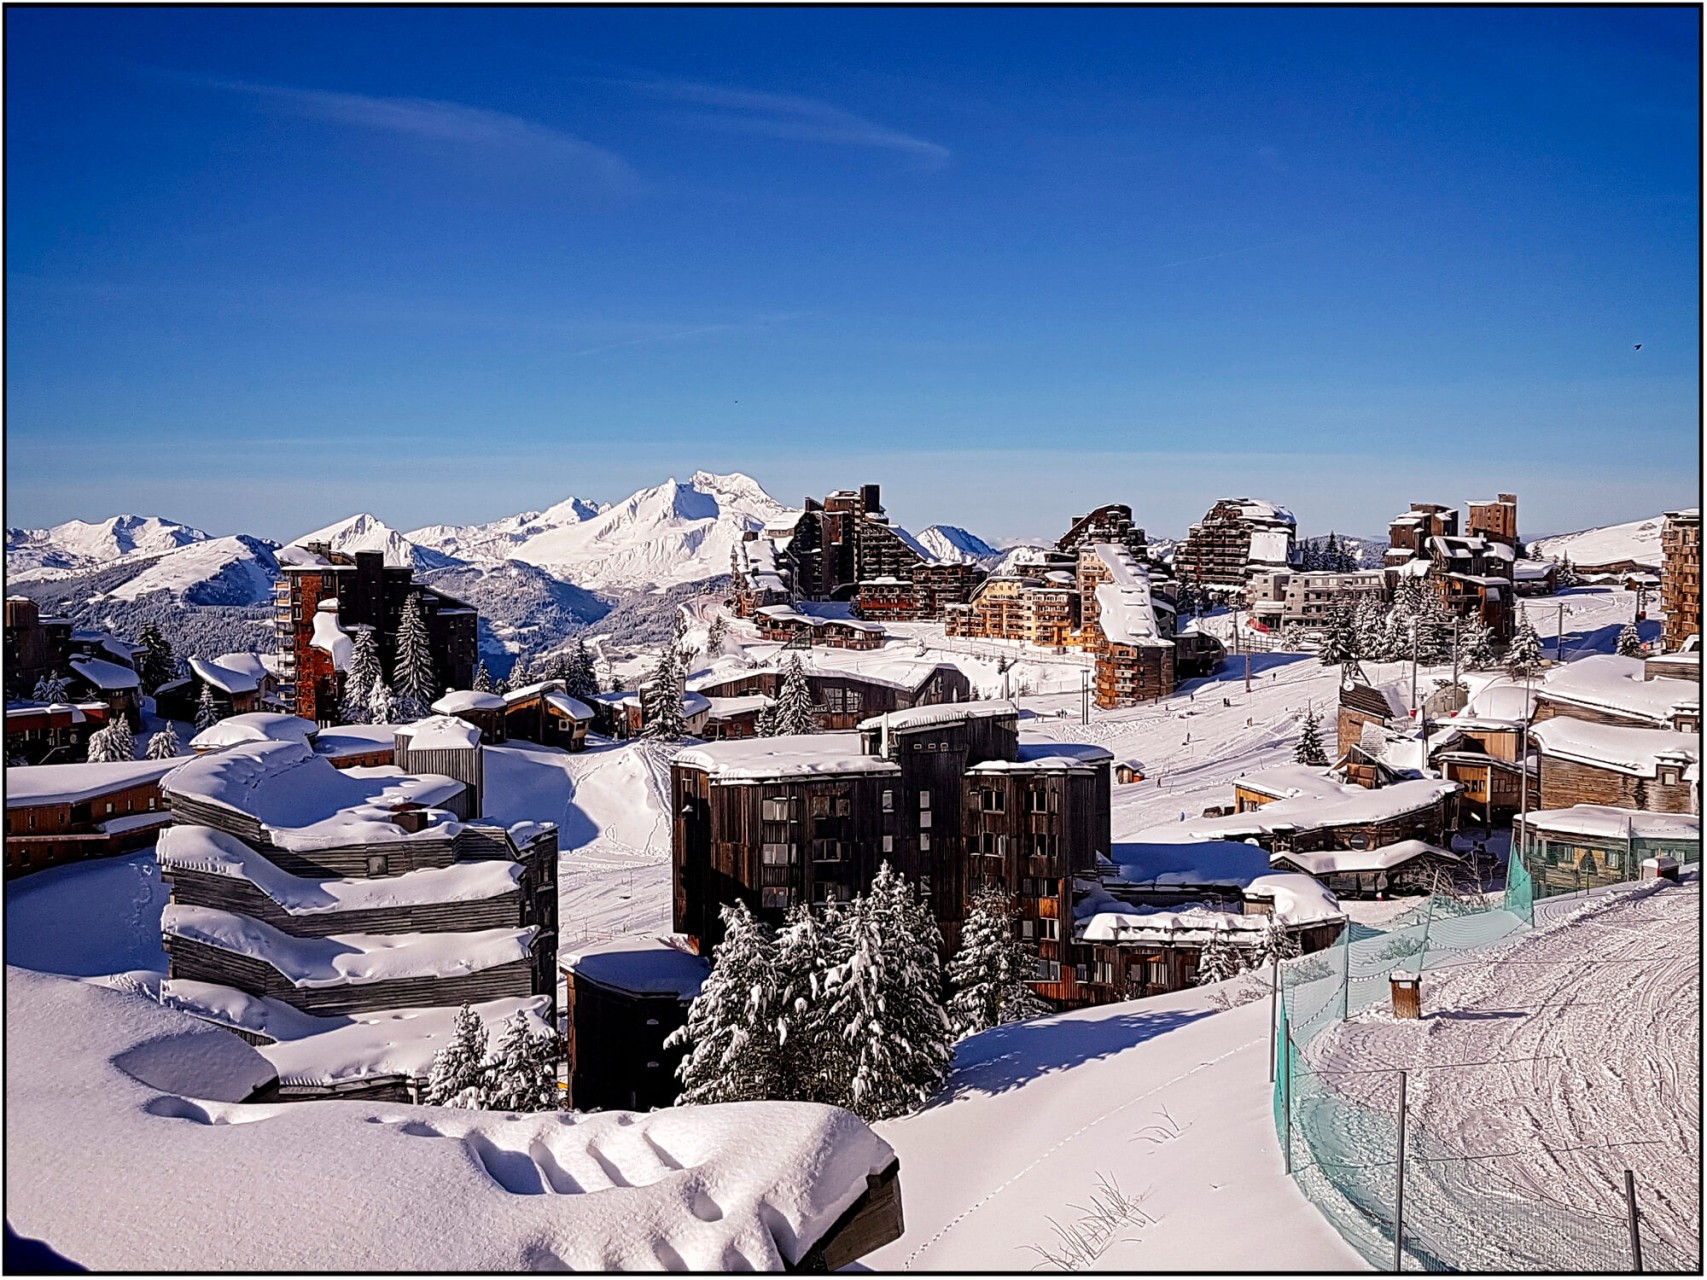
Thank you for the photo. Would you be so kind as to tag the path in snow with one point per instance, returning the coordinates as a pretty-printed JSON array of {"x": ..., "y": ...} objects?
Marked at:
[{"x": 1590, "y": 1038}]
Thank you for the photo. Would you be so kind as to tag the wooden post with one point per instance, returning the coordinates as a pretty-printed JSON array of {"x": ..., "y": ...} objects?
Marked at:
[
  {"x": 1399, "y": 1189},
  {"x": 1407, "y": 993},
  {"x": 1635, "y": 1232}
]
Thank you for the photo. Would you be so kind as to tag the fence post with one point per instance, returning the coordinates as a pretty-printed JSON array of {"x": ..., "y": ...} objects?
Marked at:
[
  {"x": 1274, "y": 1019},
  {"x": 1399, "y": 1190},
  {"x": 1635, "y": 1231},
  {"x": 1286, "y": 1097}
]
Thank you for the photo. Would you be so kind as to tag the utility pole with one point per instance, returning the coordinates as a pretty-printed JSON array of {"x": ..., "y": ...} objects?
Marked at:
[
  {"x": 1415, "y": 706},
  {"x": 1084, "y": 696},
  {"x": 1559, "y": 645},
  {"x": 1399, "y": 1190}
]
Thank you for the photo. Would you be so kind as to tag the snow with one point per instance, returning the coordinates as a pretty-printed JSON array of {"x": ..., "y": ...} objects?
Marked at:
[
  {"x": 1201, "y": 863},
  {"x": 106, "y": 675},
  {"x": 949, "y": 544},
  {"x": 70, "y": 783},
  {"x": 1262, "y": 511},
  {"x": 1606, "y": 822},
  {"x": 133, "y": 822},
  {"x": 220, "y": 571},
  {"x": 754, "y": 759},
  {"x": 1606, "y": 682},
  {"x": 640, "y": 966},
  {"x": 728, "y": 708},
  {"x": 224, "y": 678},
  {"x": 943, "y": 713},
  {"x": 577, "y": 710},
  {"x": 1270, "y": 546},
  {"x": 254, "y": 726},
  {"x": 1127, "y": 616},
  {"x": 1638, "y": 752},
  {"x": 118, "y": 1102},
  {"x": 80, "y": 543},
  {"x": 365, "y": 533},
  {"x": 348, "y": 958},
  {"x": 354, "y": 739},
  {"x": 1637, "y": 541},
  {"x": 50, "y": 918},
  {"x": 216, "y": 853},
  {"x": 460, "y": 700},
  {"x": 440, "y": 733},
  {"x": 494, "y": 540},
  {"x": 330, "y": 637},
  {"x": 1336, "y": 804},
  {"x": 1351, "y": 861},
  {"x": 877, "y": 666}
]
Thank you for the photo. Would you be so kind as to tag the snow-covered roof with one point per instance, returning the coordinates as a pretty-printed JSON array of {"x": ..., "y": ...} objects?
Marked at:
[
  {"x": 1352, "y": 861},
  {"x": 873, "y": 667},
  {"x": 725, "y": 708},
  {"x": 1606, "y": 682},
  {"x": 106, "y": 675},
  {"x": 1500, "y": 702},
  {"x": 39, "y": 784},
  {"x": 1620, "y": 748},
  {"x": 254, "y": 726},
  {"x": 354, "y": 740},
  {"x": 1127, "y": 615},
  {"x": 1531, "y": 570},
  {"x": 526, "y": 691},
  {"x": 754, "y": 759},
  {"x": 1337, "y": 804},
  {"x": 1297, "y": 899},
  {"x": 1049, "y": 757},
  {"x": 639, "y": 966},
  {"x": 189, "y": 848},
  {"x": 459, "y": 700},
  {"x": 943, "y": 713},
  {"x": 1185, "y": 864},
  {"x": 440, "y": 733},
  {"x": 224, "y": 678},
  {"x": 575, "y": 709},
  {"x": 30, "y": 707},
  {"x": 330, "y": 637},
  {"x": 304, "y": 802},
  {"x": 348, "y": 958},
  {"x": 1606, "y": 822},
  {"x": 1270, "y": 546}
]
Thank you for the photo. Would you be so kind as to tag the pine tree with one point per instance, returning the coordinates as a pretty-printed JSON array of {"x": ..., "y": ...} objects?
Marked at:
[
  {"x": 102, "y": 749},
  {"x": 764, "y": 724},
  {"x": 164, "y": 745},
  {"x": 1475, "y": 645},
  {"x": 482, "y": 678},
  {"x": 1523, "y": 658},
  {"x": 731, "y": 1023},
  {"x": 1219, "y": 959},
  {"x": 794, "y": 701},
  {"x": 661, "y": 700},
  {"x": 885, "y": 998},
  {"x": 522, "y": 1071},
  {"x": 381, "y": 704},
  {"x": 1310, "y": 750},
  {"x": 583, "y": 678},
  {"x": 1568, "y": 575},
  {"x": 1274, "y": 943},
  {"x": 812, "y": 1059},
  {"x": 51, "y": 688},
  {"x": 1339, "y": 640},
  {"x": 716, "y": 634},
  {"x": 360, "y": 677},
  {"x": 208, "y": 713},
  {"x": 458, "y": 1076},
  {"x": 414, "y": 676},
  {"x": 1629, "y": 641},
  {"x": 156, "y": 665},
  {"x": 991, "y": 973},
  {"x": 123, "y": 741},
  {"x": 1368, "y": 621},
  {"x": 1433, "y": 625}
]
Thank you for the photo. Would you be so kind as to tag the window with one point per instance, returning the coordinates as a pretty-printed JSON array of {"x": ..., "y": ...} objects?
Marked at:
[
  {"x": 843, "y": 806},
  {"x": 1105, "y": 972},
  {"x": 888, "y": 844},
  {"x": 780, "y": 855},
  {"x": 1051, "y": 929},
  {"x": 775, "y": 809},
  {"x": 856, "y": 700},
  {"x": 924, "y": 842},
  {"x": 1028, "y": 928},
  {"x": 1158, "y": 970},
  {"x": 1079, "y": 973},
  {"x": 820, "y": 806},
  {"x": 1037, "y": 800},
  {"x": 993, "y": 801},
  {"x": 109, "y": 806},
  {"x": 1048, "y": 971},
  {"x": 774, "y": 897},
  {"x": 925, "y": 821},
  {"x": 888, "y": 802},
  {"x": 826, "y": 850},
  {"x": 1044, "y": 845},
  {"x": 831, "y": 892},
  {"x": 833, "y": 700},
  {"x": 924, "y": 799},
  {"x": 376, "y": 864}
]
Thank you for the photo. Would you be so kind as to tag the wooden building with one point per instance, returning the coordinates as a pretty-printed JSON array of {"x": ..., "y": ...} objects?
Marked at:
[
  {"x": 1109, "y": 523},
  {"x": 1410, "y": 866},
  {"x": 1127, "y": 625},
  {"x": 787, "y": 625},
  {"x": 1297, "y": 808},
  {"x": 1608, "y": 689},
  {"x": 1650, "y": 770},
  {"x": 486, "y": 711},
  {"x": 841, "y": 699},
  {"x": 625, "y": 997},
  {"x": 40, "y": 733},
  {"x": 1236, "y": 538},
  {"x": 622, "y": 714},
  {"x": 450, "y": 748},
  {"x": 1040, "y": 610},
  {"x": 61, "y": 813},
  {"x": 36, "y": 646},
  {"x": 1473, "y": 574},
  {"x": 1493, "y": 518},
  {"x": 1585, "y": 846},
  {"x": 546, "y": 714},
  {"x": 1361, "y": 704},
  {"x": 1680, "y": 576}
]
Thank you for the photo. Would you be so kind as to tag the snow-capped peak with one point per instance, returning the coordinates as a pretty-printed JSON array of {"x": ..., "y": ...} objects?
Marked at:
[
  {"x": 79, "y": 544},
  {"x": 954, "y": 545},
  {"x": 365, "y": 532}
]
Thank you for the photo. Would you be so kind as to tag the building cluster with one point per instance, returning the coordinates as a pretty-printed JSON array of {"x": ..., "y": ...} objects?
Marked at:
[
  {"x": 1472, "y": 571},
  {"x": 1237, "y": 539},
  {"x": 1680, "y": 576},
  {"x": 93, "y": 676}
]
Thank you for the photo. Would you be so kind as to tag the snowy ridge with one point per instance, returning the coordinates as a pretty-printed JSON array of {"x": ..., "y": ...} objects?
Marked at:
[
  {"x": 1637, "y": 541},
  {"x": 953, "y": 545},
  {"x": 78, "y": 544},
  {"x": 369, "y": 533}
]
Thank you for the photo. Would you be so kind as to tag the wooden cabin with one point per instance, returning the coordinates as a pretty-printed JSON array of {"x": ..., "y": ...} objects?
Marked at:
[
  {"x": 486, "y": 711},
  {"x": 545, "y": 714},
  {"x": 841, "y": 699},
  {"x": 42, "y": 733}
]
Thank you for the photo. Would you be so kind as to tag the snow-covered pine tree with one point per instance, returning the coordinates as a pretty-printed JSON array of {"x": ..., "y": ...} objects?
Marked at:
[
  {"x": 1309, "y": 559},
  {"x": 794, "y": 701},
  {"x": 1369, "y": 621},
  {"x": 1523, "y": 657},
  {"x": 156, "y": 665},
  {"x": 457, "y": 1077},
  {"x": 716, "y": 634},
  {"x": 583, "y": 678},
  {"x": 417, "y": 684},
  {"x": 482, "y": 678},
  {"x": 1310, "y": 749},
  {"x": 123, "y": 741},
  {"x": 208, "y": 713},
  {"x": 731, "y": 1023},
  {"x": 1568, "y": 575},
  {"x": 1475, "y": 645},
  {"x": 764, "y": 724},
  {"x": 164, "y": 745},
  {"x": 661, "y": 700},
  {"x": 1339, "y": 640},
  {"x": 990, "y": 975},
  {"x": 1273, "y": 943},
  {"x": 1219, "y": 959},
  {"x": 885, "y": 999},
  {"x": 381, "y": 704},
  {"x": 360, "y": 677},
  {"x": 521, "y": 1074},
  {"x": 50, "y": 688},
  {"x": 1433, "y": 630},
  {"x": 101, "y": 749},
  {"x": 812, "y": 1059},
  {"x": 1629, "y": 641}
]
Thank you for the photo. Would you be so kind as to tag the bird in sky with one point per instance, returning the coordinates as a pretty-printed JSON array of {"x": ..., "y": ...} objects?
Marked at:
[{"x": 1638, "y": 346}]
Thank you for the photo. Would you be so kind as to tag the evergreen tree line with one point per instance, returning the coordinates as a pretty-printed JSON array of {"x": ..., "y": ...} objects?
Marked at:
[
  {"x": 519, "y": 1073},
  {"x": 848, "y": 1003},
  {"x": 1326, "y": 556},
  {"x": 1417, "y": 622}
]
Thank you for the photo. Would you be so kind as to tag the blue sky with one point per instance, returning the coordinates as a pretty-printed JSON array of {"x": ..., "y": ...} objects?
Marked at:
[{"x": 267, "y": 267}]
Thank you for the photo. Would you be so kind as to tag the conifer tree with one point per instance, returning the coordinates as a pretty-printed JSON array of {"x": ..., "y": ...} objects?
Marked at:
[
  {"x": 1523, "y": 657},
  {"x": 102, "y": 748},
  {"x": 812, "y": 1058},
  {"x": 458, "y": 1076},
  {"x": 360, "y": 677},
  {"x": 1433, "y": 625},
  {"x": 764, "y": 724},
  {"x": 1475, "y": 645},
  {"x": 415, "y": 679},
  {"x": 990, "y": 975},
  {"x": 1568, "y": 575},
  {"x": 1310, "y": 750},
  {"x": 123, "y": 741},
  {"x": 482, "y": 678},
  {"x": 208, "y": 713},
  {"x": 1629, "y": 641},
  {"x": 156, "y": 665},
  {"x": 1339, "y": 640},
  {"x": 731, "y": 1023},
  {"x": 1369, "y": 621},
  {"x": 716, "y": 634},
  {"x": 794, "y": 701},
  {"x": 51, "y": 688},
  {"x": 886, "y": 999},
  {"x": 164, "y": 745},
  {"x": 1274, "y": 943},
  {"x": 1219, "y": 959},
  {"x": 661, "y": 700},
  {"x": 582, "y": 680},
  {"x": 381, "y": 704},
  {"x": 521, "y": 1074}
]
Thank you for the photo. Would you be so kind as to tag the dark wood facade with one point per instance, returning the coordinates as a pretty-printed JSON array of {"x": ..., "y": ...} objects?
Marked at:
[
  {"x": 618, "y": 1060},
  {"x": 841, "y": 699},
  {"x": 1564, "y": 783},
  {"x": 1680, "y": 576}
]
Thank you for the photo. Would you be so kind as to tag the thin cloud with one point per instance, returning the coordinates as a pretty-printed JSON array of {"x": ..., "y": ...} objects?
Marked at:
[
  {"x": 786, "y": 115},
  {"x": 450, "y": 123}
]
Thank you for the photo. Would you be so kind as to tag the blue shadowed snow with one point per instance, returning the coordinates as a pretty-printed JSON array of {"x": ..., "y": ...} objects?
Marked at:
[{"x": 89, "y": 919}]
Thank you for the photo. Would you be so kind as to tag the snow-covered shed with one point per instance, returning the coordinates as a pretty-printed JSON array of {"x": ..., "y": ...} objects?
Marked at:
[
  {"x": 449, "y": 746},
  {"x": 486, "y": 711}
]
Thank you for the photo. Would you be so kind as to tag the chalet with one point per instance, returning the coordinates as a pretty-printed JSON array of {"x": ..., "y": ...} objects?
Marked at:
[
  {"x": 1586, "y": 845},
  {"x": 1409, "y": 866},
  {"x": 1607, "y": 689},
  {"x": 486, "y": 711},
  {"x": 792, "y": 627},
  {"x": 304, "y": 897},
  {"x": 104, "y": 680},
  {"x": 237, "y": 683},
  {"x": 736, "y": 717},
  {"x": 625, "y": 997},
  {"x": 252, "y": 727},
  {"x": 1595, "y": 763},
  {"x": 357, "y": 746},
  {"x": 546, "y": 714},
  {"x": 622, "y": 714},
  {"x": 1680, "y": 576},
  {"x": 61, "y": 813},
  {"x": 1480, "y": 747},
  {"x": 842, "y": 696},
  {"x": 323, "y": 596},
  {"x": 1362, "y": 703},
  {"x": 1683, "y": 664},
  {"x": 1237, "y": 538},
  {"x": 1534, "y": 577},
  {"x": 445, "y": 747},
  {"x": 36, "y": 646},
  {"x": 51, "y": 732}
]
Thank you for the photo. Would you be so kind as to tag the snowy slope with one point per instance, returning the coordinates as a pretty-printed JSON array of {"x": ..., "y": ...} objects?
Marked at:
[
  {"x": 222, "y": 571},
  {"x": 496, "y": 539},
  {"x": 369, "y": 533},
  {"x": 1638, "y": 540},
  {"x": 78, "y": 544},
  {"x": 955, "y": 545}
]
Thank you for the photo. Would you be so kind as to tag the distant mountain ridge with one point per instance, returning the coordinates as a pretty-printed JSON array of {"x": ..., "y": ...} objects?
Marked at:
[
  {"x": 1635, "y": 541},
  {"x": 79, "y": 544}
]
